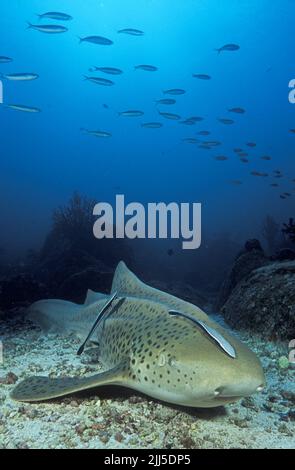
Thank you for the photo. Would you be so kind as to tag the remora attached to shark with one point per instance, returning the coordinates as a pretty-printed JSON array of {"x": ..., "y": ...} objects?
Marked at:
[{"x": 152, "y": 342}]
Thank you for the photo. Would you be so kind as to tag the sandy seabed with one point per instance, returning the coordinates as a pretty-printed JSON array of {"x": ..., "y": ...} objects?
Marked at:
[{"x": 119, "y": 418}]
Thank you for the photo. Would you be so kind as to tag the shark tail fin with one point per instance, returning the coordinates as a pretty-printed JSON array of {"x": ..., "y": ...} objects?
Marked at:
[{"x": 35, "y": 389}]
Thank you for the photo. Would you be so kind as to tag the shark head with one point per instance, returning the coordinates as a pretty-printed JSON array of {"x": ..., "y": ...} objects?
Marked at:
[{"x": 207, "y": 377}]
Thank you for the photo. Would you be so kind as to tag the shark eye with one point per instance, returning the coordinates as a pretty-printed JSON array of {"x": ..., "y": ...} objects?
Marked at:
[{"x": 218, "y": 391}]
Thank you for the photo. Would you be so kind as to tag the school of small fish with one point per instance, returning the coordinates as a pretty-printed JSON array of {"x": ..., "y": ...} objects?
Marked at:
[{"x": 53, "y": 23}]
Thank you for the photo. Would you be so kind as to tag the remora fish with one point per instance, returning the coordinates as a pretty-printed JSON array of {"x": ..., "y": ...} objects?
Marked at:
[{"x": 152, "y": 342}]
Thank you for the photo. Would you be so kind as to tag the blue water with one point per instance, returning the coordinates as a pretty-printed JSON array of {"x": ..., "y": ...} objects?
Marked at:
[{"x": 45, "y": 157}]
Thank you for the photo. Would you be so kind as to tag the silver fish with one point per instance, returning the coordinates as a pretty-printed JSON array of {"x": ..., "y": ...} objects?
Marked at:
[
  {"x": 152, "y": 125},
  {"x": 54, "y": 15},
  {"x": 131, "y": 32},
  {"x": 201, "y": 76},
  {"x": 24, "y": 108},
  {"x": 100, "y": 81},
  {"x": 204, "y": 133},
  {"x": 228, "y": 47},
  {"x": 107, "y": 70},
  {"x": 226, "y": 121},
  {"x": 195, "y": 118},
  {"x": 18, "y": 77},
  {"x": 147, "y": 68},
  {"x": 237, "y": 110},
  {"x": 236, "y": 182},
  {"x": 97, "y": 133},
  {"x": 131, "y": 113},
  {"x": 174, "y": 91},
  {"x": 221, "y": 158},
  {"x": 171, "y": 116},
  {"x": 212, "y": 143},
  {"x": 166, "y": 101},
  {"x": 48, "y": 28},
  {"x": 190, "y": 140},
  {"x": 97, "y": 40},
  {"x": 5, "y": 60},
  {"x": 251, "y": 144},
  {"x": 188, "y": 122}
]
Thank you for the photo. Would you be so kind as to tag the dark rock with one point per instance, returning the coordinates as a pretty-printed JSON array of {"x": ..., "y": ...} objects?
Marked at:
[
  {"x": 250, "y": 259},
  {"x": 264, "y": 302},
  {"x": 75, "y": 287},
  {"x": 285, "y": 254},
  {"x": 20, "y": 290},
  {"x": 253, "y": 244}
]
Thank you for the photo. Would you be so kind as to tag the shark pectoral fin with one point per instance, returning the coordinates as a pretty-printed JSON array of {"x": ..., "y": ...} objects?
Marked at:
[{"x": 35, "y": 389}]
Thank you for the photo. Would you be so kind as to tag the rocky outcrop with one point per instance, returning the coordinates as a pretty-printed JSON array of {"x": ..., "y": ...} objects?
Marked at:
[
  {"x": 251, "y": 258},
  {"x": 264, "y": 301},
  {"x": 20, "y": 290}
]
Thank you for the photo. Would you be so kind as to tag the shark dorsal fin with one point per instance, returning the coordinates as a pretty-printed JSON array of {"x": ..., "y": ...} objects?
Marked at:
[
  {"x": 128, "y": 285},
  {"x": 125, "y": 281}
]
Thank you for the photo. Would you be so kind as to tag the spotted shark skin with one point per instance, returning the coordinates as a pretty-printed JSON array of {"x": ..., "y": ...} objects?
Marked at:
[{"x": 144, "y": 348}]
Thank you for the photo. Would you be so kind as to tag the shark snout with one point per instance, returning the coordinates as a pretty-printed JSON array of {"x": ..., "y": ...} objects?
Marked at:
[{"x": 239, "y": 389}]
